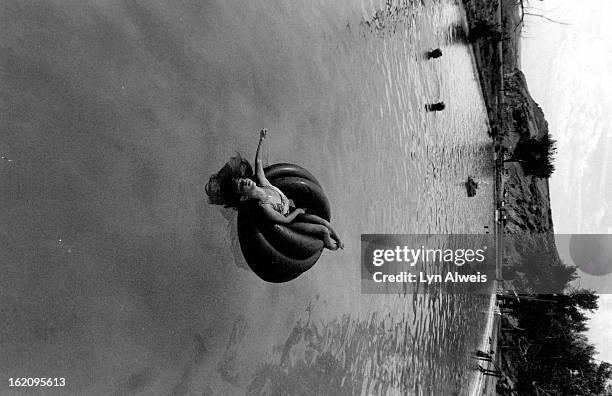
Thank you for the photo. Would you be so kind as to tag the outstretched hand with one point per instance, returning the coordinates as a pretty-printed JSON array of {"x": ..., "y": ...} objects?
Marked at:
[
  {"x": 299, "y": 211},
  {"x": 263, "y": 133}
]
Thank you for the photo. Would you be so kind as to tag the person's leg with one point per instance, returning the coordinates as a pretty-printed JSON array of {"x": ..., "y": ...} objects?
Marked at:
[
  {"x": 494, "y": 373},
  {"x": 314, "y": 219},
  {"x": 481, "y": 353},
  {"x": 317, "y": 231}
]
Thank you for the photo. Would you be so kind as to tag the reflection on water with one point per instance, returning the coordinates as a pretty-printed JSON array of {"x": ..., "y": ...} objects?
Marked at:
[
  {"x": 126, "y": 110},
  {"x": 412, "y": 353},
  {"x": 457, "y": 33}
]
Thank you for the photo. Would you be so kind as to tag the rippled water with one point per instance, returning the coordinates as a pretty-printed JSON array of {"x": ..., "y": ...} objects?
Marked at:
[{"x": 117, "y": 114}]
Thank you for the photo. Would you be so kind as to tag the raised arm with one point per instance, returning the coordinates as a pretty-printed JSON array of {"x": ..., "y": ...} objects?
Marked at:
[{"x": 259, "y": 172}]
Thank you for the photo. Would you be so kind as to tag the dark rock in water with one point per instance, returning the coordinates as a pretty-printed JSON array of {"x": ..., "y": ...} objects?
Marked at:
[
  {"x": 435, "y": 106},
  {"x": 436, "y": 53},
  {"x": 471, "y": 186}
]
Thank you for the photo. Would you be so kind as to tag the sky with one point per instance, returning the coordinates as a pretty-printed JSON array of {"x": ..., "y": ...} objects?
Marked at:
[{"x": 567, "y": 66}]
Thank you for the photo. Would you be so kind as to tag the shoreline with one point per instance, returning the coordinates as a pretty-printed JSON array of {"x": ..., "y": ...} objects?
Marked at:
[
  {"x": 489, "y": 60},
  {"x": 488, "y": 343},
  {"x": 522, "y": 200}
]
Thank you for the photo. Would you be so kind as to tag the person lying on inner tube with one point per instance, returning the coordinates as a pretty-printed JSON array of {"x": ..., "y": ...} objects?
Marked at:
[{"x": 233, "y": 186}]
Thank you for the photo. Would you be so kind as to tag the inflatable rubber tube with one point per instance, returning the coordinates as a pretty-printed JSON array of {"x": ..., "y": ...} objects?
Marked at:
[
  {"x": 291, "y": 243},
  {"x": 275, "y": 252},
  {"x": 278, "y": 171},
  {"x": 264, "y": 259}
]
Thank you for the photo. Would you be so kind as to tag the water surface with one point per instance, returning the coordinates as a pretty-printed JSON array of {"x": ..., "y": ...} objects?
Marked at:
[{"x": 121, "y": 278}]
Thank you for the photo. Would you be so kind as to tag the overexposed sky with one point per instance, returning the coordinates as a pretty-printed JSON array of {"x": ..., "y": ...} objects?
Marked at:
[{"x": 569, "y": 73}]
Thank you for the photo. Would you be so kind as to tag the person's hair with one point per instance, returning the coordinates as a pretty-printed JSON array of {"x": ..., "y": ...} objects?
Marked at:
[{"x": 222, "y": 188}]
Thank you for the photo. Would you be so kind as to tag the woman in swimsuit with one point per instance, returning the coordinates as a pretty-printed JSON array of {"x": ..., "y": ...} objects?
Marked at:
[{"x": 233, "y": 185}]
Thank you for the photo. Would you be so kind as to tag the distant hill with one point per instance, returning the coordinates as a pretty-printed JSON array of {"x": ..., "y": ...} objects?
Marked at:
[
  {"x": 513, "y": 116},
  {"x": 527, "y": 198}
]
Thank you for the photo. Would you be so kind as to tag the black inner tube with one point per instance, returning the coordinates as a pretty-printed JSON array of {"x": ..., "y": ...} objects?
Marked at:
[{"x": 275, "y": 252}]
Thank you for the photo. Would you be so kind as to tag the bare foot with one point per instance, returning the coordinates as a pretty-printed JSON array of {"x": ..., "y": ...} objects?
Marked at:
[{"x": 330, "y": 244}]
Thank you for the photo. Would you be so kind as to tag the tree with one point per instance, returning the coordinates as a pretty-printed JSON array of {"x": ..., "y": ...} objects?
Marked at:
[
  {"x": 535, "y": 266},
  {"x": 535, "y": 156},
  {"x": 559, "y": 359},
  {"x": 524, "y": 10}
]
